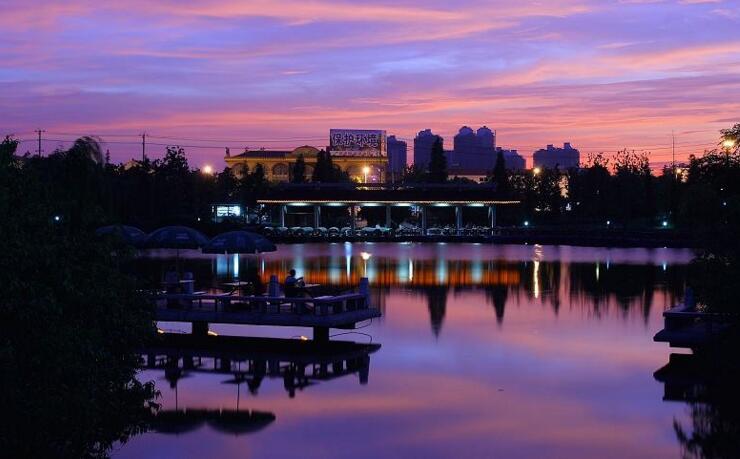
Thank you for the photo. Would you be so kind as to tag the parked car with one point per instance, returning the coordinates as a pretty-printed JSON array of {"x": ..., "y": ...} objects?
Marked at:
[
  {"x": 333, "y": 231},
  {"x": 375, "y": 231},
  {"x": 435, "y": 231}
]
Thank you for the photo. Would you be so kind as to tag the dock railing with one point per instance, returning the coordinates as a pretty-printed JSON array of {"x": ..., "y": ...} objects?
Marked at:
[{"x": 320, "y": 305}]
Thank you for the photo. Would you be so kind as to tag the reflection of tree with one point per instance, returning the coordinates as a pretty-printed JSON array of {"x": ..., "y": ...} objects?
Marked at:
[
  {"x": 716, "y": 426},
  {"x": 437, "y": 303},
  {"x": 628, "y": 284},
  {"x": 497, "y": 295},
  {"x": 707, "y": 382}
]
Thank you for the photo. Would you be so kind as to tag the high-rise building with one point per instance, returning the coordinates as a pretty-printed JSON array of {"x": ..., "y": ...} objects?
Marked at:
[
  {"x": 562, "y": 158},
  {"x": 486, "y": 140},
  {"x": 423, "y": 143},
  {"x": 396, "y": 157},
  {"x": 474, "y": 151},
  {"x": 512, "y": 159}
]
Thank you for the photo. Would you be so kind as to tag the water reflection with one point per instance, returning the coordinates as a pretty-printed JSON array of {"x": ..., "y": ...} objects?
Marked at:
[
  {"x": 707, "y": 384},
  {"x": 250, "y": 361},
  {"x": 488, "y": 351},
  {"x": 624, "y": 281}
]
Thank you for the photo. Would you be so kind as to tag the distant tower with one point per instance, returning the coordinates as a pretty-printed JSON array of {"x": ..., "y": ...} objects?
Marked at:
[
  {"x": 423, "y": 147},
  {"x": 564, "y": 158},
  {"x": 464, "y": 150},
  {"x": 396, "y": 157}
]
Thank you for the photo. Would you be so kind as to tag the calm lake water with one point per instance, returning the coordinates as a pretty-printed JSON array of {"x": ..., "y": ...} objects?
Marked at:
[{"x": 486, "y": 351}]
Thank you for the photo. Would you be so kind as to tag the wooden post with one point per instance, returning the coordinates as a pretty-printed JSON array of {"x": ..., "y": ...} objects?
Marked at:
[
  {"x": 388, "y": 219},
  {"x": 353, "y": 223},
  {"x": 321, "y": 334},
  {"x": 364, "y": 289},
  {"x": 200, "y": 328},
  {"x": 458, "y": 219},
  {"x": 423, "y": 220},
  {"x": 273, "y": 288}
]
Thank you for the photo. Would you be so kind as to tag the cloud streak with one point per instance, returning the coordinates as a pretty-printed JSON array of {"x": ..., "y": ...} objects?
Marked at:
[{"x": 591, "y": 72}]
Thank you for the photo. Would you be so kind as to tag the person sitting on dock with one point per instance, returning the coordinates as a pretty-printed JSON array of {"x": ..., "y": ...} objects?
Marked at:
[{"x": 292, "y": 284}]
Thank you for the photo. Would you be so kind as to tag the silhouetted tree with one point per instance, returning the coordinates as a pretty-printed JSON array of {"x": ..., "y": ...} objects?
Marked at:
[
  {"x": 226, "y": 185},
  {"x": 500, "y": 175},
  {"x": 437, "y": 163},
  {"x": 413, "y": 174},
  {"x": 69, "y": 348},
  {"x": 298, "y": 174}
]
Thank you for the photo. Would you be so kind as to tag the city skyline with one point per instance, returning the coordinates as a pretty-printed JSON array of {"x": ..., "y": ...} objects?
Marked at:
[{"x": 601, "y": 75}]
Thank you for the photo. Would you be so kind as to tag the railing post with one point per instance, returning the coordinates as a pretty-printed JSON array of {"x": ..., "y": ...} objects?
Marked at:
[
  {"x": 364, "y": 290},
  {"x": 273, "y": 288}
]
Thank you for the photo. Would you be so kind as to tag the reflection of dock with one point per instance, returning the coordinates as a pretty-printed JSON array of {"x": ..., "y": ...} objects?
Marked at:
[
  {"x": 226, "y": 421},
  {"x": 250, "y": 360},
  {"x": 683, "y": 378}
]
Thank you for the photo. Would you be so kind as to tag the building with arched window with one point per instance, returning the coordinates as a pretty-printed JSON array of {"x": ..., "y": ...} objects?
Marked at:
[{"x": 278, "y": 164}]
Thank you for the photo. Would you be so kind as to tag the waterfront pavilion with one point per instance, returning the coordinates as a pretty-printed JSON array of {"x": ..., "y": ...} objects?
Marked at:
[{"x": 422, "y": 196}]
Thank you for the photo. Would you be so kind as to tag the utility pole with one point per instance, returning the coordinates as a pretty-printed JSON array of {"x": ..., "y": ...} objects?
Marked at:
[
  {"x": 673, "y": 150},
  {"x": 143, "y": 147},
  {"x": 39, "y": 132}
]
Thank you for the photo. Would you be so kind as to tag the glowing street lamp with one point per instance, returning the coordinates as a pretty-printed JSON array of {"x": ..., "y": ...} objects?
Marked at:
[
  {"x": 728, "y": 144},
  {"x": 536, "y": 171},
  {"x": 365, "y": 172},
  {"x": 208, "y": 169}
]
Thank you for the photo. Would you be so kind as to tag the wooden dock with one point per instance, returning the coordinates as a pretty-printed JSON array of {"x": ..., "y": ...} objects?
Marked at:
[
  {"x": 685, "y": 327},
  {"x": 320, "y": 313}
]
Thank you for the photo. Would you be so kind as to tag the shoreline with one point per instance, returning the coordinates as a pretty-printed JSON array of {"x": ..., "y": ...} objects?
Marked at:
[{"x": 613, "y": 238}]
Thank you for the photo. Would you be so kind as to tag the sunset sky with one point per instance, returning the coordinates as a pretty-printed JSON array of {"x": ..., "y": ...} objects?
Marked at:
[{"x": 601, "y": 74}]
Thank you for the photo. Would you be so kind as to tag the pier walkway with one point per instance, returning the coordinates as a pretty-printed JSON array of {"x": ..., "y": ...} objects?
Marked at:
[{"x": 320, "y": 313}]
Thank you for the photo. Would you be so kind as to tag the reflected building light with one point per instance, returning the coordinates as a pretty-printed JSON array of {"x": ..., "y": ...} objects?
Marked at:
[
  {"x": 597, "y": 272},
  {"x": 477, "y": 271},
  {"x": 348, "y": 266},
  {"x": 536, "y": 279},
  {"x": 365, "y": 256},
  {"x": 665, "y": 266},
  {"x": 298, "y": 265},
  {"x": 370, "y": 271},
  {"x": 222, "y": 265},
  {"x": 402, "y": 272},
  {"x": 236, "y": 266},
  {"x": 335, "y": 270},
  {"x": 411, "y": 271},
  {"x": 441, "y": 271},
  {"x": 262, "y": 266}
]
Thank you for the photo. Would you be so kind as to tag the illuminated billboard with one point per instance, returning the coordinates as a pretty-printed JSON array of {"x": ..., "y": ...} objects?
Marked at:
[{"x": 357, "y": 142}]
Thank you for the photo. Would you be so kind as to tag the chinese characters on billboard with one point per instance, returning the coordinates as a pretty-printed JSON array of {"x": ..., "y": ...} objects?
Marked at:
[{"x": 357, "y": 142}]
